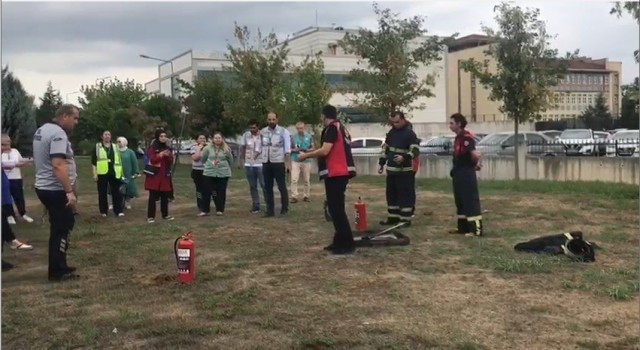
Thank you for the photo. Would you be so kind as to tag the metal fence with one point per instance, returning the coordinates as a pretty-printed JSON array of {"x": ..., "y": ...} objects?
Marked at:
[{"x": 554, "y": 148}]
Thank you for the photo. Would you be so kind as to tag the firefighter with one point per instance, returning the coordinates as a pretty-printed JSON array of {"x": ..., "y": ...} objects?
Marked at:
[
  {"x": 465, "y": 183},
  {"x": 400, "y": 148}
]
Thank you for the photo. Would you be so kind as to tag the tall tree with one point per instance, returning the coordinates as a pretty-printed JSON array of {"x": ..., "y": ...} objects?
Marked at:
[
  {"x": 18, "y": 112},
  {"x": 632, "y": 8},
  {"x": 388, "y": 75},
  {"x": 109, "y": 106},
  {"x": 630, "y": 105},
  {"x": 167, "y": 109},
  {"x": 526, "y": 66},
  {"x": 205, "y": 107},
  {"x": 597, "y": 116},
  {"x": 305, "y": 92},
  {"x": 49, "y": 104},
  {"x": 258, "y": 65}
]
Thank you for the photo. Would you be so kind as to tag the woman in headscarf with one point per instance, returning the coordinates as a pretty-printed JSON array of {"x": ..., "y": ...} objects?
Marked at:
[
  {"x": 129, "y": 171},
  {"x": 158, "y": 181}
]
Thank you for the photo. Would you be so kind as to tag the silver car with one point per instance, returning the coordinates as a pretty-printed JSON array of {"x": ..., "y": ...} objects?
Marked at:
[
  {"x": 624, "y": 143},
  {"x": 503, "y": 144}
]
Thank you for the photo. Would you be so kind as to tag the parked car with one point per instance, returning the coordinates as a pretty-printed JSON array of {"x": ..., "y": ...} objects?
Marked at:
[
  {"x": 441, "y": 145},
  {"x": 624, "y": 143},
  {"x": 578, "y": 142},
  {"x": 600, "y": 139},
  {"x": 503, "y": 144},
  {"x": 366, "y": 145},
  {"x": 552, "y": 134}
]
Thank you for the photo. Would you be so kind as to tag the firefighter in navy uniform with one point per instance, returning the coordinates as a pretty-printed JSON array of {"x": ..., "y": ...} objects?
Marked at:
[
  {"x": 400, "y": 147},
  {"x": 465, "y": 183}
]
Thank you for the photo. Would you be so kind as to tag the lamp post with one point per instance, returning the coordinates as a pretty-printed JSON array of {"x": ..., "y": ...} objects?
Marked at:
[
  {"x": 70, "y": 93},
  {"x": 165, "y": 61}
]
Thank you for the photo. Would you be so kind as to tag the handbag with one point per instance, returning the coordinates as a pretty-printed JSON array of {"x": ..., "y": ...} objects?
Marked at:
[{"x": 150, "y": 170}]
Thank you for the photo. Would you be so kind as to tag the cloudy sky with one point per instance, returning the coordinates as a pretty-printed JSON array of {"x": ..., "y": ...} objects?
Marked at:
[{"x": 74, "y": 43}]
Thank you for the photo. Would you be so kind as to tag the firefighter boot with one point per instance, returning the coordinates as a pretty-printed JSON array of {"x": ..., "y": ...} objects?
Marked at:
[
  {"x": 463, "y": 227},
  {"x": 390, "y": 222},
  {"x": 475, "y": 227}
]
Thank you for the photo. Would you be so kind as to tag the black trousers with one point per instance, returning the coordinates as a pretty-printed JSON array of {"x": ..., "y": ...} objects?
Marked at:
[
  {"x": 401, "y": 199},
  {"x": 467, "y": 199},
  {"x": 61, "y": 222},
  {"x": 216, "y": 187},
  {"x": 104, "y": 183},
  {"x": 198, "y": 181},
  {"x": 17, "y": 193},
  {"x": 7, "y": 233},
  {"x": 335, "y": 188},
  {"x": 277, "y": 172},
  {"x": 164, "y": 204}
]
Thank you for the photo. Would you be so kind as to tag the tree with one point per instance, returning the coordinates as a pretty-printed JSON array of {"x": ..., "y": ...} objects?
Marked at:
[
  {"x": 18, "y": 112},
  {"x": 388, "y": 79},
  {"x": 167, "y": 109},
  {"x": 110, "y": 106},
  {"x": 597, "y": 116},
  {"x": 630, "y": 106},
  {"x": 49, "y": 104},
  {"x": 258, "y": 66},
  {"x": 205, "y": 107},
  {"x": 526, "y": 66},
  {"x": 632, "y": 8}
]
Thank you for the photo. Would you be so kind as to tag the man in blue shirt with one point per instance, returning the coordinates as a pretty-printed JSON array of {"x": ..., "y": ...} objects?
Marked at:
[{"x": 301, "y": 142}]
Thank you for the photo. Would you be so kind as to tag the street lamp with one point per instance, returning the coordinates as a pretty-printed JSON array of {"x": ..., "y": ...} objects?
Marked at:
[
  {"x": 70, "y": 93},
  {"x": 165, "y": 61}
]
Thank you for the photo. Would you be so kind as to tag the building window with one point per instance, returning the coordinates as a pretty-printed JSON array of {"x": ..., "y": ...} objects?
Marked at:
[
  {"x": 338, "y": 81},
  {"x": 606, "y": 79},
  {"x": 573, "y": 100}
]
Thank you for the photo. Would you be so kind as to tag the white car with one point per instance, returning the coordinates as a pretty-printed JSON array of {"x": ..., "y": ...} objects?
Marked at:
[
  {"x": 366, "y": 145},
  {"x": 578, "y": 142},
  {"x": 624, "y": 143}
]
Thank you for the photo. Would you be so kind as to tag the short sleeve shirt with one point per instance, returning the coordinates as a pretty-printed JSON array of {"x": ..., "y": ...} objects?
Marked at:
[{"x": 50, "y": 141}]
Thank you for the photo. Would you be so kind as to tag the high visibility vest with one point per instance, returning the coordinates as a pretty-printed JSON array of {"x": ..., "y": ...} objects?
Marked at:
[{"x": 102, "y": 163}]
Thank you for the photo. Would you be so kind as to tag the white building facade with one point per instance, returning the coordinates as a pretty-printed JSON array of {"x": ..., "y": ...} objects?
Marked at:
[{"x": 309, "y": 41}]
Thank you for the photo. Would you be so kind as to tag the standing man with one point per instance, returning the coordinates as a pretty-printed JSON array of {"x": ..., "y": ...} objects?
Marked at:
[
  {"x": 302, "y": 142},
  {"x": 465, "y": 183},
  {"x": 107, "y": 173},
  {"x": 335, "y": 167},
  {"x": 250, "y": 151},
  {"x": 276, "y": 156},
  {"x": 400, "y": 147},
  {"x": 53, "y": 185},
  {"x": 12, "y": 161}
]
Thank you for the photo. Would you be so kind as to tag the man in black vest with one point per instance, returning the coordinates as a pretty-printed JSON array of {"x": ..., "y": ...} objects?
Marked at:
[
  {"x": 400, "y": 147},
  {"x": 335, "y": 167}
]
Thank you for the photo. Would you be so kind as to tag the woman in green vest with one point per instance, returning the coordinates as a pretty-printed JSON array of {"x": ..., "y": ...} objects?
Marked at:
[
  {"x": 129, "y": 171},
  {"x": 217, "y": 160}
]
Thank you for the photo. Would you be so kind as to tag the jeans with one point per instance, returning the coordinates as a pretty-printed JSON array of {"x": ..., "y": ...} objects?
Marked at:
[
  {"x": 17, "y": 193},
  {"x": 277, "y": 172},
  {"x": 254, "y": 177},
  {"x": 61, "y": 221}
]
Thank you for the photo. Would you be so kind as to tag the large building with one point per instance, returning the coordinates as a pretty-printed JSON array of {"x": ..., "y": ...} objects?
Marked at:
[
  {"x": 309, "y": 41},
  {"x": 586, "y": 79}
]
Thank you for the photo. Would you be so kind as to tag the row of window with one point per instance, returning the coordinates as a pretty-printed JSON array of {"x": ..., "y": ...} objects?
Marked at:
[
  {"x": 333, "y": 80},
  {"x": 574, "y": 78}
]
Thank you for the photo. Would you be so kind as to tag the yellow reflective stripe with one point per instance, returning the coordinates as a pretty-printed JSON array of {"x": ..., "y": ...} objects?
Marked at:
[
  {"x": 393, "y": 207},
  {"x": 568, "y": 235},
  {"x": 406, "y": 210},
  {"x": 474, "y": 218},
  {"x": 398, "y": 150},
  {"x": 461, "y": 216},
  {"x": 398, "y": 169}
]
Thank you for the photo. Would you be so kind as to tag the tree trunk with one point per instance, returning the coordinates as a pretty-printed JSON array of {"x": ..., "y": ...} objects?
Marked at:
[{"x": 517, "y": 146}]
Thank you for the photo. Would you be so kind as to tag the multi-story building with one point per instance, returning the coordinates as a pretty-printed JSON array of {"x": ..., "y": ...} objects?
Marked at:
[
  {"x": 586, "y": 79},
  {"x": 191, "y": 64}
]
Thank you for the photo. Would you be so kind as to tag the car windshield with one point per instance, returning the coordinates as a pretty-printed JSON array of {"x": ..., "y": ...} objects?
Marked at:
[
  {"x": 627, "y": 135},
  {"x": 575, "y": 134},
  {"x": 494, "y": 139}
]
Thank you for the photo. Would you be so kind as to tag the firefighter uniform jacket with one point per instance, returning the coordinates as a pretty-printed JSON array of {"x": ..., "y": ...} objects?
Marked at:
[{"x": 402, "y": 141}]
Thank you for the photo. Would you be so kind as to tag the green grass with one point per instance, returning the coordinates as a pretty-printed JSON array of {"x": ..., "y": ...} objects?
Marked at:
[{"x": 267, "y": 284}]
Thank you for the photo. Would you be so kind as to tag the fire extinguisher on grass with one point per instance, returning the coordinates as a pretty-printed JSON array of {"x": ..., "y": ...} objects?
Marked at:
[
  {"x": 361, "y": 216},
  {"x": 184, "y": 249}
]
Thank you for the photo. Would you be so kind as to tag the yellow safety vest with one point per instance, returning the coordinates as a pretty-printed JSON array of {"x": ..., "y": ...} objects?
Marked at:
[{"x": 102, "y": 163}]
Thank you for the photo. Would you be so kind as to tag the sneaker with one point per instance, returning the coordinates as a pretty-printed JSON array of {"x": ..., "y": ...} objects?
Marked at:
[
  {"x": 16, "y": 244},
  {"x": 104, "y": 215},
  {"x": 306, "y": 199},
  {"x": 219, "y": 213},
  {"x": 255, "y": 211},
  {"x": 121, "y": 215},
  {"x": 27, "y": 218},
  {"x": 151, "y": 220},
  {"x": 127, "y": 205},
  {"x": 168, "y": 218},
  {"x": 201, "y": 214},
  {"x": 11, "y": 220}
]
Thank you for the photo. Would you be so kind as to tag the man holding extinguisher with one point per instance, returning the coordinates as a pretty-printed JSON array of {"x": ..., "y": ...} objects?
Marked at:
[{"x": 335, "y": 167}]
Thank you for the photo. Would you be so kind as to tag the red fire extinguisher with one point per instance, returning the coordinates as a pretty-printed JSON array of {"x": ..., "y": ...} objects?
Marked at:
[
  {"x": 361, "y": 216},
  {"x": 184, "y": 249}
]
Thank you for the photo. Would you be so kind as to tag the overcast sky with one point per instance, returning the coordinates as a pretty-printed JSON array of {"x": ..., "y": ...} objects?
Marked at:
[{"x": 73, "y": 44}]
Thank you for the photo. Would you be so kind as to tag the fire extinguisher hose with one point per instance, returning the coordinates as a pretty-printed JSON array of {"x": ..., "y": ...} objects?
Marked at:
[{"x": 175, "y": 251}]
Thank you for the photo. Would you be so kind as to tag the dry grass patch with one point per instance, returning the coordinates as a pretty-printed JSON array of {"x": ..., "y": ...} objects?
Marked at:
[{"x": 267, "y": 284}]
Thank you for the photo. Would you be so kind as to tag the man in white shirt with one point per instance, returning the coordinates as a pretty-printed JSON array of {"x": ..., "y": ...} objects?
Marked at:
[
  {"x": 12, "y": 161},
  {"x": 250, "y": 150}
]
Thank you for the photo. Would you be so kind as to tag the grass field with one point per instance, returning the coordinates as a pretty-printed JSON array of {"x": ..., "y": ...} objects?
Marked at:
[{"x": 267, "y": 284}]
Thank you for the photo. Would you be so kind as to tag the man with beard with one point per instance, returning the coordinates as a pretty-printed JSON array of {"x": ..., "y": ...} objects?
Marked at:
[{"x": 276, "y": 153}]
